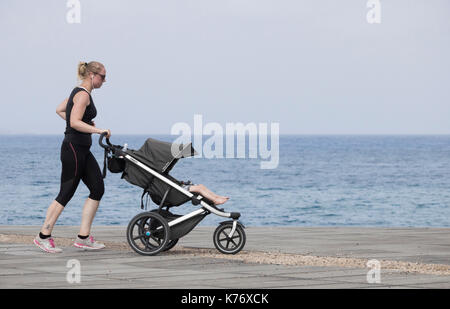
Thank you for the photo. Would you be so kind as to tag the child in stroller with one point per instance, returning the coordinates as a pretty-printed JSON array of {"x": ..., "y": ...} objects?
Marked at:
[{"x": 152, "y": 232}]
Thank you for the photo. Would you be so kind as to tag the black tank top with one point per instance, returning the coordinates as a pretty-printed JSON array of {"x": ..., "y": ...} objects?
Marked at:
[{"x": 72, "y": 135}]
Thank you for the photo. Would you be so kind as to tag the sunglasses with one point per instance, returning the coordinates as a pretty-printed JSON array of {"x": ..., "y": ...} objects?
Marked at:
[{"x": 101, "y": 75}]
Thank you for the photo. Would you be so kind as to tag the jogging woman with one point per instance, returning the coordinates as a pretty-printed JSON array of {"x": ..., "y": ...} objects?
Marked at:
[{"x": 78, "y": 163}]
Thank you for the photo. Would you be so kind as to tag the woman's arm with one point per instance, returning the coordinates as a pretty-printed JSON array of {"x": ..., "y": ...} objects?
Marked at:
[
  {"x": 80, "y": 102},
  {"x": 61, "y": 109}
]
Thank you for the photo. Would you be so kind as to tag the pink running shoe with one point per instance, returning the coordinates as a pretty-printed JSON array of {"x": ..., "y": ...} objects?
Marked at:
[
  {"x": 48, "y": 245},
  {"x": 88, "y": 243}
]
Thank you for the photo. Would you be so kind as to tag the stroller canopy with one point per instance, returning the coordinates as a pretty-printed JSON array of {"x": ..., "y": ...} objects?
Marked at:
[{"x": 162, "y": 156}]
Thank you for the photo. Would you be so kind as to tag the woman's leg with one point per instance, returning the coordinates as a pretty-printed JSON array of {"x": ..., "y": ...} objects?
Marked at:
[
  {"x": 93, "y": 179},
  {"x": 44, "y": 240},
  {"x": 204, "y": 191},
  {"x": 53, "y": 212},
  {"x": 89, "y": 211}
]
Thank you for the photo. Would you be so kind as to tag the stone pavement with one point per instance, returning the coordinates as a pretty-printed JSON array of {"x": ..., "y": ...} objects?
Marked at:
[{"x": 22, "y": 265}]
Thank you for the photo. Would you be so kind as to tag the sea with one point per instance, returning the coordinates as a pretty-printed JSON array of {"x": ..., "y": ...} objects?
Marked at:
[{"x": 319, "y": 181}]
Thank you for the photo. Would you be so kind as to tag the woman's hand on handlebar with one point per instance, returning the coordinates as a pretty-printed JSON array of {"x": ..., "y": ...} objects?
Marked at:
[{"x": 107, "y": 131}]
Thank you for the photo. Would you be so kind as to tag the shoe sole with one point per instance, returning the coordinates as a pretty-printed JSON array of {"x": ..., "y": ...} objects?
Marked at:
[
  {"x": 43, "y": 248},
  {"x": 81, "y": 246}
]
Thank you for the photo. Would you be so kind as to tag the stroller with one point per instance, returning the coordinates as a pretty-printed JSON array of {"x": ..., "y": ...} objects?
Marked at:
[{"x": 152, "y": 232}]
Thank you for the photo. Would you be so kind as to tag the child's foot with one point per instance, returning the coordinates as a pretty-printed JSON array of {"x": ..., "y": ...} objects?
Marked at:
[{"x": 220, "y": 200}]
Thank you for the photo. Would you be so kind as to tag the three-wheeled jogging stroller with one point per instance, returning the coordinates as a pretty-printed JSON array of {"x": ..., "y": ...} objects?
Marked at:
[{"x": 151, "y": 232}]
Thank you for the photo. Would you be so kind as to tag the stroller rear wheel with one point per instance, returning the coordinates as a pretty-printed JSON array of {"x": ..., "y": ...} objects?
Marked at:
[
  {"x": 148, "y": 233},
  {"x": 226, "y": 244},
  {"x": 170, "y": 244}
]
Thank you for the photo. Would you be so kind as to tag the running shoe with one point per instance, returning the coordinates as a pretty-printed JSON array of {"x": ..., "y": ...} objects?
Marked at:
[
  {"x": 88, "y": 243},
  {"x": 48, "y": 245}
]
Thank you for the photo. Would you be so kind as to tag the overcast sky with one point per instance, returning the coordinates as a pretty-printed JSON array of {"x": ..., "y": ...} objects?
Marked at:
[{"x": 315, "y": 67}]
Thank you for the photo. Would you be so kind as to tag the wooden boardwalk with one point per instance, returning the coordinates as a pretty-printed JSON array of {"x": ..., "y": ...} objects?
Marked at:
[{"x": 274, "y": 257}]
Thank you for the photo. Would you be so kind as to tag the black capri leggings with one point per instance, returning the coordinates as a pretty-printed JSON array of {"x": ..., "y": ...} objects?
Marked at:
[{"x": 79, "y": 163}]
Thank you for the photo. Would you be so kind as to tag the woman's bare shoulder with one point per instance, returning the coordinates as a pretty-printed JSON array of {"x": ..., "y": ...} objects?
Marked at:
[{"x": 81, "y": 97}]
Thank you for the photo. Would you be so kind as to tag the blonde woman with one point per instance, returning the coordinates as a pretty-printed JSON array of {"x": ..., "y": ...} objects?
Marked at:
[{"x": 78, "y": 163}]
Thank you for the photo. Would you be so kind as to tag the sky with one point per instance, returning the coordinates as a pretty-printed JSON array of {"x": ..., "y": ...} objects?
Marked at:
[{"x": 313, "y": 67}]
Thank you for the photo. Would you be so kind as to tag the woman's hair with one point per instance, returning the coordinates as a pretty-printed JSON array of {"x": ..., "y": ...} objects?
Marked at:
[{"x": 84, "y": 68}]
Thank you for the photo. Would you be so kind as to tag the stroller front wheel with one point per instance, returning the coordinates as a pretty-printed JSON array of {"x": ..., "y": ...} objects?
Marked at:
[
  {"x": 229, "y": 244},
  {"x": 148, "y": 233}
]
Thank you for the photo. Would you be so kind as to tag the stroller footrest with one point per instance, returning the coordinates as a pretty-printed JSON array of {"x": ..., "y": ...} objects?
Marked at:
[{"x": 196, "y": 200}]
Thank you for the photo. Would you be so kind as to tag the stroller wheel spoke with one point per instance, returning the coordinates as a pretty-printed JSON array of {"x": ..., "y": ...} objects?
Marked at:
[
  {"x": 235, "y": 244},
  {"x": 156, "y": 239},
  {"x": 139, "y": 236},
  {"x": 147, "y": 244},
  {"x": 228, "y": 239}
]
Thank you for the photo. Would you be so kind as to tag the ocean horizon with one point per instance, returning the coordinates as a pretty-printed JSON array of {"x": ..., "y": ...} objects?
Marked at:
[{"x": 364, "y": 180}]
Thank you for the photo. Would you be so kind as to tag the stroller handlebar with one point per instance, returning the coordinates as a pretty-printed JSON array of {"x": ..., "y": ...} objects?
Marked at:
[
  {"x": 116, "y": 149},
  {"x": 100, "y": 141}
]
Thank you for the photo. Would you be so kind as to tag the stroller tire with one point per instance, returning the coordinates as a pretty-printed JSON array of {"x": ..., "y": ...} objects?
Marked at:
[
  {"x": 226, "y": 244},
  {"x": 148, "y": 233}
]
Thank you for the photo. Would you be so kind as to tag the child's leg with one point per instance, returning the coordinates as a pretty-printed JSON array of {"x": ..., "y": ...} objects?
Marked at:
[{"x": 204, "y": 191}]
